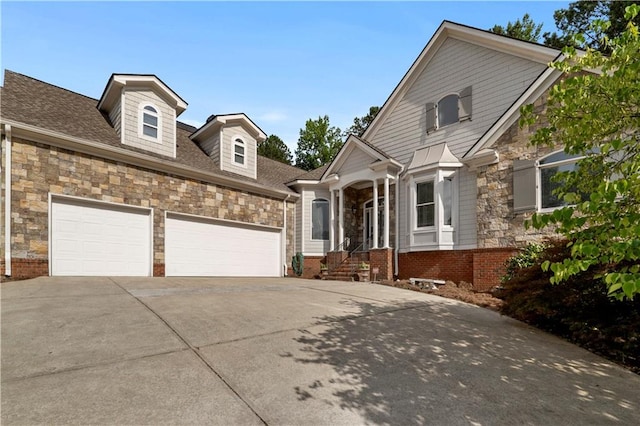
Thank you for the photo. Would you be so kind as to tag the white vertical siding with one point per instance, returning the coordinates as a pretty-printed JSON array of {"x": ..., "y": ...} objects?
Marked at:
[
  {"x": 311, "y": 246},
  {"x": 226, "y": 163},
  {"x": 133, "y": 99}
]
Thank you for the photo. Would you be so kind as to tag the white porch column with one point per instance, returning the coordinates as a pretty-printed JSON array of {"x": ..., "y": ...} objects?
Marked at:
[
  {"x": 341, "y": 217},
  {"x": 374, "y": 215},
  {"x": 386, "y": 212},
  {"x": 332, "y": 221}
]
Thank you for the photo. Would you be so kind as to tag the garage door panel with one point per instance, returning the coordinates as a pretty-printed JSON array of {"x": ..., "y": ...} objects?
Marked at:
[
  {"x": 90, "y": 238},
  {"x": 202, "y": 248}
]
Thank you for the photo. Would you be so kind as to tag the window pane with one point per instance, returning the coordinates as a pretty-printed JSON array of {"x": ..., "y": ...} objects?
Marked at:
[
  {"x": 239, "y": 159},
  {"x": 447, "y": 195},
  {"x": 425, "y": 192},
  {"x": 320, "y": 220},
  {"x": 150, "y": 108},
  {"x": 150, "y": 131},
  {"x": 150, "y": 120},
  {"x": 239, "y": 149},
  {"x": 548, "y": 184},
  {"x": 448, "y": 110},
  {"x": 426, "y": 215}
]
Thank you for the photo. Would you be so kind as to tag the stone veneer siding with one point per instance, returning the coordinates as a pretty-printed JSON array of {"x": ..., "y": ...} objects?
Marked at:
[
  {"x": 498, "y": 224},
  {"x": 39, "y": 169}
]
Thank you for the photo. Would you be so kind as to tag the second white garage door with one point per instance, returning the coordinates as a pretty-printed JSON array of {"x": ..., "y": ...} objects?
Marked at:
[{"x": 203, "y": 247}]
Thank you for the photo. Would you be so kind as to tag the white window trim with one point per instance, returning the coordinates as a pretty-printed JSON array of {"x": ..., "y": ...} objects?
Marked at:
[
  {"x": 438, "y": 126},
  {"x": 448, "y": 174},
  {"x": 244, "y": 145},
  {"x": 141, "y": 112},
  {"x": 311, "y": 218},
  {"x": 539, "y": 168},
  {"x": 414, "y": 204}
]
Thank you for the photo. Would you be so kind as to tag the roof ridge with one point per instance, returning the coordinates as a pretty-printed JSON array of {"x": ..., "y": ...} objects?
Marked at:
[{"x": 49, "y": 84}]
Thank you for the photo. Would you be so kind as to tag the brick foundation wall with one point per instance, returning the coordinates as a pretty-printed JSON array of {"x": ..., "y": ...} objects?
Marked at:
[
  {"x": 158, "y": 269},
  {"x": 489, "y": 267},
  {"x": 383, "y": 260},
  {"x": 481, "y": 267},
  {"x": 27, "y": 268},
  {"x": 311, "y": 267}
]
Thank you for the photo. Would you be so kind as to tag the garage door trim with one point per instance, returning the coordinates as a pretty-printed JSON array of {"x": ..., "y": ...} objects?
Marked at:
[
  {"x": 228, "y": 222},
  {"x": 90, "y": 201}
]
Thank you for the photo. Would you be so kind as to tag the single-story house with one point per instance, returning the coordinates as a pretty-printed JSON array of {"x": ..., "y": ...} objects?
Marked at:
[{"x": 438, "y": 186}]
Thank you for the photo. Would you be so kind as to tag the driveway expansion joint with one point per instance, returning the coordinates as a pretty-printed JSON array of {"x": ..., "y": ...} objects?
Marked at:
[{"x": 196, "y": 352}]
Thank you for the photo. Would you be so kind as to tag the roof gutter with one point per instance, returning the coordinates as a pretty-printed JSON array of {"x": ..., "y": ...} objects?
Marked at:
[
  {"x": 7, "y": 200},
  {"x": 86, "y": 146}
]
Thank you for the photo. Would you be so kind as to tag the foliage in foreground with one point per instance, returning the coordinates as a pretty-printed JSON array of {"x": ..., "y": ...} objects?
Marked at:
[
  {"x": 577, "y": 309},
  {"x": 597, "y": 116}
]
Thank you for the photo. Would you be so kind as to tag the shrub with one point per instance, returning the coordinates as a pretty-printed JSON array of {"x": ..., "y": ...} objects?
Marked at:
[
  {"x": 525, "y": 258},
  {"x": 577, "y": 309}
]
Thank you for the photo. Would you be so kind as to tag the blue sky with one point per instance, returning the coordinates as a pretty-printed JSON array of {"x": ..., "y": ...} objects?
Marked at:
[{"x": 281, "y": 63}]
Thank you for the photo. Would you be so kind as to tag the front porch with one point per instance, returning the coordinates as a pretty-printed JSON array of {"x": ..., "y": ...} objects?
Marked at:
[{"x": 362, "y": 231}]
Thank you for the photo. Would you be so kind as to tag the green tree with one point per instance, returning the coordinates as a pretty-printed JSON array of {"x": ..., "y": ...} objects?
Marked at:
[
  {"x": 579, "y": 18},
  {"x": 597, "y": 115},
  {"x": 524, "y": 29},
  {"x": 273, "y": 147},
  {"x": 360, "y": 124},
  {"x": 318, "y": 143}
]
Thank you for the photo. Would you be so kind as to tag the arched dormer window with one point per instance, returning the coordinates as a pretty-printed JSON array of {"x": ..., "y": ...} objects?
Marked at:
[
  {"x": 239, "y": 151},
  {"x": 448, "y": 110},
  {"x": 150, "y": 123}
]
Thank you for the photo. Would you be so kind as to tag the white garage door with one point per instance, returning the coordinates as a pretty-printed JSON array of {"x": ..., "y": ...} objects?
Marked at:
[
  {"x": 206, "y": 248},
  {"x": 91, "y": 238}
]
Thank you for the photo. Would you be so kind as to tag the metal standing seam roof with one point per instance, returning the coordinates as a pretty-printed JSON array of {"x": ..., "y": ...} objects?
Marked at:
[{"x": 30, "y": 101}]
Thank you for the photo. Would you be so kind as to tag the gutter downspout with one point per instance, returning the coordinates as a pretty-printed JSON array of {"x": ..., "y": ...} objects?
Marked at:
[
  {"x": 7, "y": 200},
  {"x": 284, "y": 237}
]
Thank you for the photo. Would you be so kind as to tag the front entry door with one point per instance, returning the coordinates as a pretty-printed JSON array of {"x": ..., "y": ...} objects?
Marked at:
[{"x": 368, "y": 223}]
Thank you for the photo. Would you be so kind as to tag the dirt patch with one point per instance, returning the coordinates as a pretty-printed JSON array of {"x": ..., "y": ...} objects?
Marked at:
[{"x": 462, "y": 291}]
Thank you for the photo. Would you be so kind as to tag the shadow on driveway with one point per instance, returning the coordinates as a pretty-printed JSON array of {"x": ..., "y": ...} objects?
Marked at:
[{"x": 457, "y": 364}]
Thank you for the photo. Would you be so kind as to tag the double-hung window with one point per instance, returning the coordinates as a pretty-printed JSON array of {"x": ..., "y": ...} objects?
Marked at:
[
  {"x": 238, "y": 151},
  {"x": 150, "y": 122},
  {"x": 425, "y": 204}
]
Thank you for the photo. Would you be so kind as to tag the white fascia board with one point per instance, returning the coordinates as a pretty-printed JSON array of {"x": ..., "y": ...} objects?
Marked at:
[
  {"x": 484, "y": 157},
  {"x": 109, "y": 152},
  {"x": 220, "y": 120}
]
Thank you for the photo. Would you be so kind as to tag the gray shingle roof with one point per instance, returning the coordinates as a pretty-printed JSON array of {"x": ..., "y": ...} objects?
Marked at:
[{"x": 27, "y": 100}]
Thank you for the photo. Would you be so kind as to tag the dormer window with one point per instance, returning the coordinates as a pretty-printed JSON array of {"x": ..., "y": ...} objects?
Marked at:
[
  {"x": 150, "y": 123},
  {"x": 238, "y": 151},
  {"x": 450, "y": 109}
]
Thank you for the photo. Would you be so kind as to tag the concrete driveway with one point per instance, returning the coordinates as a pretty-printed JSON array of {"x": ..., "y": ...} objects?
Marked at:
[{"x": 287, "y": 351}]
